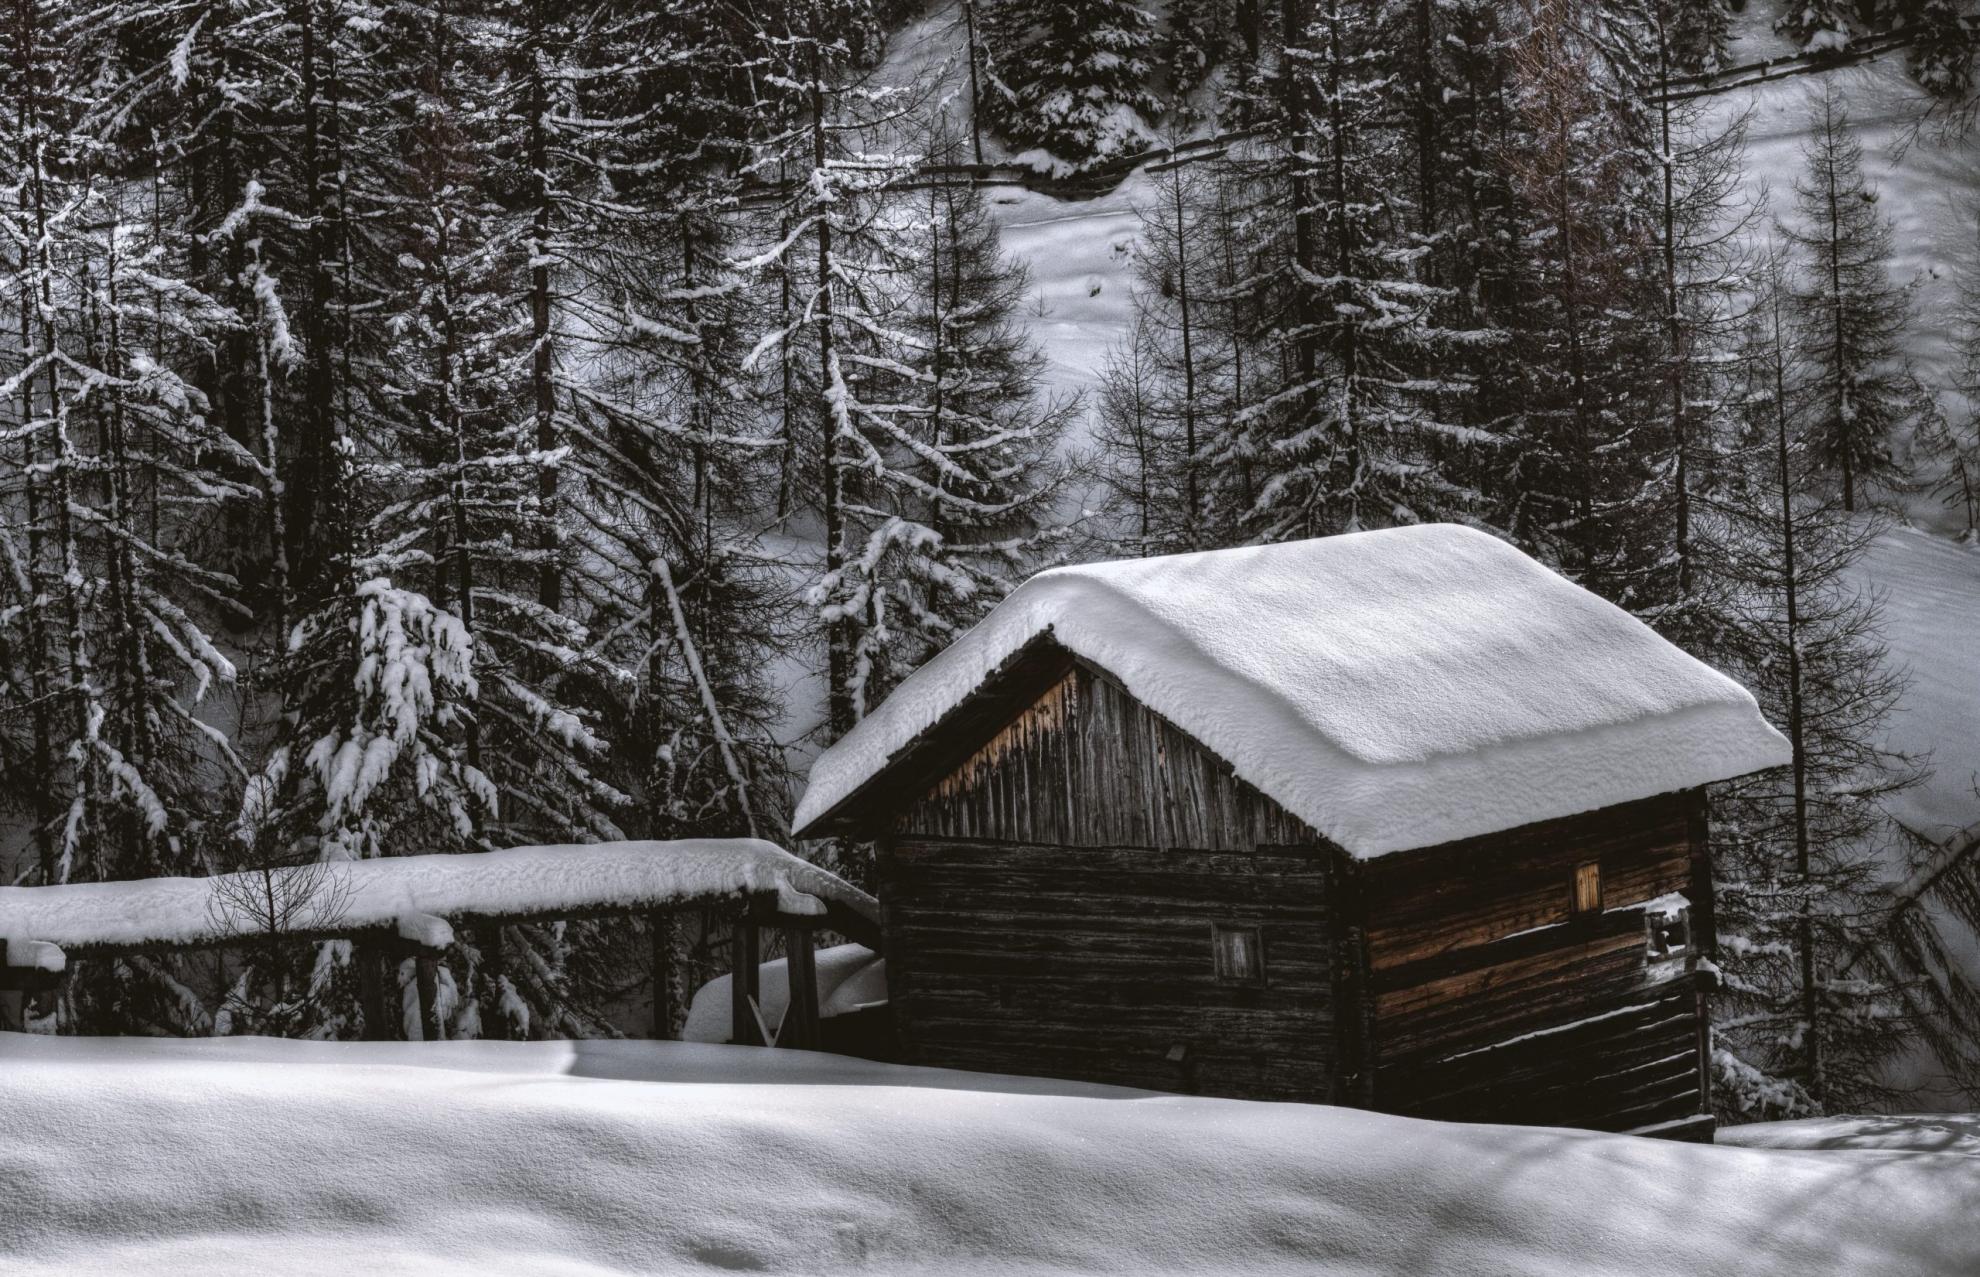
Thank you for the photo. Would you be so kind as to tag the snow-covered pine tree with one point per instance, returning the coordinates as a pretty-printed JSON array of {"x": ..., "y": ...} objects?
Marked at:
[
  {"x": 1849, "y": 313},
  {"x": 1482, "y": 242},
  {"x": 112, "y": 458},
  {"x": 953, "y": 495},
  {"x": 1192, "y": 43},
  {"x": 840, "y": 252},
  {"x": 1944, "y": 34},
  {"x": 668, "y": 448},
  {"x": 1582, "y": 480},
  {"x": 1701, "y": 221},
  {"x": 1137, "y": 460},
  {"x": 1072, "y": 79},
  {"x": 1698, "y": 33},
  {"x": 1348, "y": 435},
  {"x": 1817, "y": 26},
  {"x": 462, "y": 526},
  {"x": 1171, "y": 416},
  {"x": 1805, "y": 1025}
]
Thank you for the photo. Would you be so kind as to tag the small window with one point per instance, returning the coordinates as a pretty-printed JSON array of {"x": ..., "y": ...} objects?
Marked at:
[
  {"x": 1668, "y": 932},
  {"x": 1587, "y": 888},
  {"x": 1238, "y": 954}
]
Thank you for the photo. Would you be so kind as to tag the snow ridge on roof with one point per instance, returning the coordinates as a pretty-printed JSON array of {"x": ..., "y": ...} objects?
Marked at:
[{"x": 1394, "y": 689}]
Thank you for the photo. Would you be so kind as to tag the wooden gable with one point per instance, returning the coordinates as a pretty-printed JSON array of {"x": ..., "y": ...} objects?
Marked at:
[{"x": 1084, "y": 764}]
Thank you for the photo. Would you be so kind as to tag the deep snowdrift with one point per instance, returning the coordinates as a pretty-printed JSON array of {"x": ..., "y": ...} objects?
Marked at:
[{"x": 278, "y": 1157}]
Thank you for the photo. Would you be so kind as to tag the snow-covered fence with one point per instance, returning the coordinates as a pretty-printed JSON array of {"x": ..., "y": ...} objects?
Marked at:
[{"x": 411, "y": 905}]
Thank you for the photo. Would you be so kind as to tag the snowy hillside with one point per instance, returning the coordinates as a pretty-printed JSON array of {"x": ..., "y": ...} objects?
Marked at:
[
  {"x": 1930, "y": 587},
  {"x": 255, "y": 1155}
]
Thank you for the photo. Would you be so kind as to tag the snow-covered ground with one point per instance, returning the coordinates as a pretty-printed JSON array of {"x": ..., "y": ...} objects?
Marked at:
[{"x": 260, "y": 1156}]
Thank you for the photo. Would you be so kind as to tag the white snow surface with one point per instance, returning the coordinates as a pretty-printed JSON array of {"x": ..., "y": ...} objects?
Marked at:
[
  {"x": 1914, "y": 1132},
  {"x": 1394, "y": 689},
  {"x": 708, "y": 1017},
  {"x": 244, "y": 1155},
  {"x": 382, "y": 893}
]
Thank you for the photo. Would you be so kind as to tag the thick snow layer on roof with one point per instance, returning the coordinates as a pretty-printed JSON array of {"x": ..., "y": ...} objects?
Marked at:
[
  {"x": 708, "y": 1017},
  {"x": 423, "y": 890},
  {"x": 245, "y": 1155},
  {"x": 1393, "y": 689}
]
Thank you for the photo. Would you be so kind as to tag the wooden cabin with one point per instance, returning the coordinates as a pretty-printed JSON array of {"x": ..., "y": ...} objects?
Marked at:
[{"x": 1396, "y": 819}]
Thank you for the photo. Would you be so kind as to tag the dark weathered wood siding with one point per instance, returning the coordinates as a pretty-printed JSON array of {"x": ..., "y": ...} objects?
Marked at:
[
  {"x": 1086, "y": 765},
  {"x": 1095, "y": 963},
  {"x": 1491, "y": 1002},
  {"x": 1050, "y": 901},
  {"x": 1055, "y": 859}
]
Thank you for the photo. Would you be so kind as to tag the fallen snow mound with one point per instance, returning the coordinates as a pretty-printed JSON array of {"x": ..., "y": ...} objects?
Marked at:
[
  {"x": 1393, "y": 689},
  {"x": 258, "y": 1156},
  {"x": 851, "y": 977}
]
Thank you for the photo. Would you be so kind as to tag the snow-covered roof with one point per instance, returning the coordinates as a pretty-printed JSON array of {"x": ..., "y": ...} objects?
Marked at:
[
  {"x": 415, "y": 894},
  {"x": 1393, "y": 689}
]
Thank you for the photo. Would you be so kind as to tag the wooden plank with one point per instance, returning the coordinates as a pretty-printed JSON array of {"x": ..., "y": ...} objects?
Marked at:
[
  {"x": 801, "y": 1022},
  {"x": 379, "y": 1024},
  {"x": 1475, "y": 891},
  {"x": 662, "y": 937},
  {"x": 743, "y": 978},
  {"x": 1351, "y": 1080},
  {"x": 1080, "y": 762}
]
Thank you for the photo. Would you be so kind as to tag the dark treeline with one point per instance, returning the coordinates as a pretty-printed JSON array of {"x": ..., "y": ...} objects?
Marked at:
[{"x": 430, "y": 427}]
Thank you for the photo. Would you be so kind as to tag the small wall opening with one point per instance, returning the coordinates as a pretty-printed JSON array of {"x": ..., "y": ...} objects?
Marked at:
[
  {"x": 1237, "y": 953},
  {"x": 1586, "y": 889}
]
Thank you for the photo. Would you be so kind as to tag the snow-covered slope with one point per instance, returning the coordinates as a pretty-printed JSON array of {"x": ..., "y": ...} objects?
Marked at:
[
  {"x": 1926, "y": 176},
  {"x": 1930, "y": 588},
  {"x": 257, "y": 1156}
]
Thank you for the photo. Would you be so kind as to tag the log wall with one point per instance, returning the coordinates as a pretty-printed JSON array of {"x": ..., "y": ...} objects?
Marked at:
[
  {"x": 1096, "y": 964},
  {"x": 1086, "y": 765},
  {"x": 1493, "y": 1001},
  {"x": 1052, "y": 874}
]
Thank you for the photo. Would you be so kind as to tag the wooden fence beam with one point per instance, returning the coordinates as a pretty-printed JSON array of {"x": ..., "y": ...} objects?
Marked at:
[
  {"x": 379, "y": 1025},
  {"x": 744, "y": 996},
  {"x": 801, "y": 1020},
  {"x": 666, "y": 974}
]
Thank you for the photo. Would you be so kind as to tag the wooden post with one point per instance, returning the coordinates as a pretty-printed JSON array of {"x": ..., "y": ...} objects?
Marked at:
[
  {"x": 666, "y": 974},
  {"x": 494, "y": 964},
  {"x": 427, "y": 978},
  {"x": 378, "y": 1026},
  {"x": 1352, "y": 1081},
  {"x": 743, "y": 983},
  {"x": 801, "y": 1021}
]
